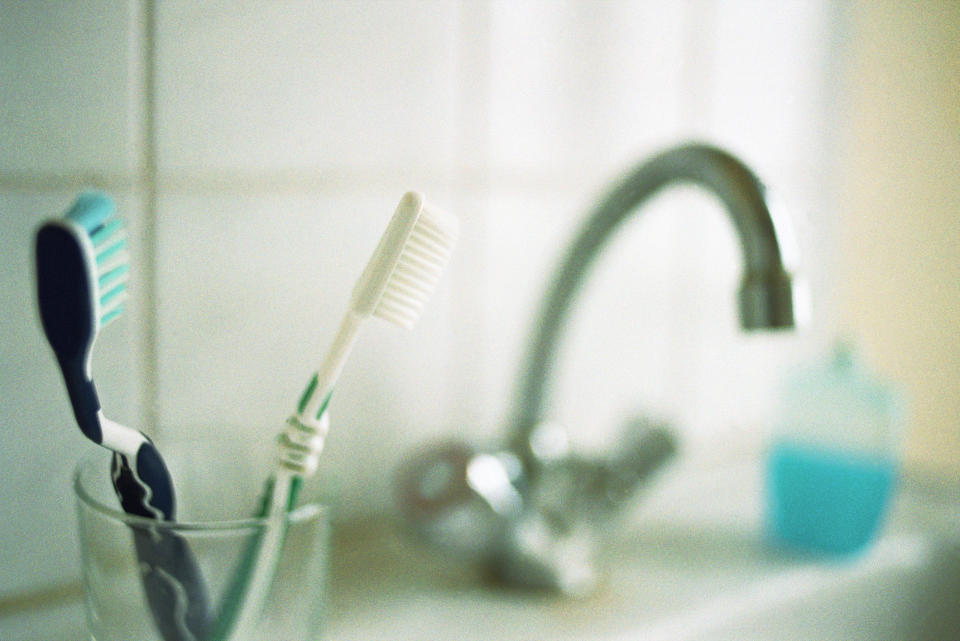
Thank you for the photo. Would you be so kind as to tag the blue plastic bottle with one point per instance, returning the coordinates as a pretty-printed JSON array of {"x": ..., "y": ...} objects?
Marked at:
[{"x": 833, "y": 462}]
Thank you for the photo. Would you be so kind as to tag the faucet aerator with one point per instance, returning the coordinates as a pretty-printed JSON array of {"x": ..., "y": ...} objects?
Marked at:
[{"x": 766, "y": 302}]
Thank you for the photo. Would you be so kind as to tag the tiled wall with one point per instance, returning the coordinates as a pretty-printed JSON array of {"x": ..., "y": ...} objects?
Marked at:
[{"x": 258, "y": 149}]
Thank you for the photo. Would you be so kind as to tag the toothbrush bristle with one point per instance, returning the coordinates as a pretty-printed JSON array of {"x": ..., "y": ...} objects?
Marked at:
[
  {"x": 425, "y": 253},
  {"x": 113, "y": 271},
  {"x": 96, "y": 214}
]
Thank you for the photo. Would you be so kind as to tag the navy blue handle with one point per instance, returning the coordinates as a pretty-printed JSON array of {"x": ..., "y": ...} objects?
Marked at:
[
  {"x": 173, "y": 584},
  {"x": 169, "y": 571},
  {"x": 144, "y": 488},
  {"x": 83, "y": 398}
]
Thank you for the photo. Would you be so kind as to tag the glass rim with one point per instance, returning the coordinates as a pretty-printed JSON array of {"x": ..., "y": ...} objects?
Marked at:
[{"x": 300, "y": 514}]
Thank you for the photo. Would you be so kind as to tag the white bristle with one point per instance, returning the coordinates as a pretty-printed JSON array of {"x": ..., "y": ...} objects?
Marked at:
[
  {"x": 111, "y": 235},
  {"x": 402, "y": 280},
  {"x": 402, "y": 286},
  {"x": 407, "y": 262},
  {"x": 426, "y": 242},
  {"x": 112, "y": 310},
  {"x": 117, "y": 259},
  {"x": 417, "y": 270},
  {"x": 113, "y": 272}
]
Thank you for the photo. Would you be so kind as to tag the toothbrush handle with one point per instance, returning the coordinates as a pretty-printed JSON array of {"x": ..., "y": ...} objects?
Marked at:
[
  {"x": 249, "y": 588},
  {"x": 170, "y": 573},
  {"x": 83, "y": 398},
  {"x": 315, "y": 397},
  {"x": 313, "y": 402},
  {"x": 173, "y": 584},
  {"x": 300, "y": 445},
  {"x": 144, "y": 487}
]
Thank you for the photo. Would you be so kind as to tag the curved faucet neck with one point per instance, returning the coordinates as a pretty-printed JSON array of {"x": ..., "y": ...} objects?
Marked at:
[{"x": 765, "y": 297}]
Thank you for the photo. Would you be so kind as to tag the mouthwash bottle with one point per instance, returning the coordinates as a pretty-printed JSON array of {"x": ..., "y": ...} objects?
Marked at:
[{"x": 834, "y": 457}]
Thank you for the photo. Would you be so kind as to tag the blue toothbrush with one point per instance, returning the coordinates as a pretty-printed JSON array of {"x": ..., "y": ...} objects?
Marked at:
[{"x": 82, "y": 271}]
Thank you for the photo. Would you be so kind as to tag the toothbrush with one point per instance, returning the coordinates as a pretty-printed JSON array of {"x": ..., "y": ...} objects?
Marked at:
[
  {"x": 82, "y": 272},
  {"x": 394, "y": 286}
]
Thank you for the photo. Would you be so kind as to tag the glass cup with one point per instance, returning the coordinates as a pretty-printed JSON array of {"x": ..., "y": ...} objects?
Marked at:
[{"x": 177, "y": 581}]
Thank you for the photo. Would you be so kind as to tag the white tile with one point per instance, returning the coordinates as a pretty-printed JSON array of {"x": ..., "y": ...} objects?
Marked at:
[
  {"x": 582, "y": 86},
  {"x": 723, "y": 376},
  {"x": 757, "y": 88},
  {"x": 251, "y": 290},
  {"x": 616, "y": 355},
  {"x": 522, "y": 235},
  {"x": 40, "y": 442},
  {"x": 763, "y": 79},
  {"x": 252, "y": 86},
  {"x": 762, "y": 91},
  {"x": 771, "y": 64},
  {"x": 70, "y": 87}
]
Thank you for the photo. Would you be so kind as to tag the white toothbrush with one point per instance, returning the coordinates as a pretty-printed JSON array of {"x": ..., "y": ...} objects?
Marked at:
[{"x": 395, "y": 284}]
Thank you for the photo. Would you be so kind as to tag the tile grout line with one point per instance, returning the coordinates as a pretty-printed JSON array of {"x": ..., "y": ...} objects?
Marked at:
[
  {"x": 343, "y": 181},
  {"x": 472, "y": 132},
  {"x": 149, "y": 370},
  {"x": 697, "y": 92},
  {"x": 68, "y": 593}
]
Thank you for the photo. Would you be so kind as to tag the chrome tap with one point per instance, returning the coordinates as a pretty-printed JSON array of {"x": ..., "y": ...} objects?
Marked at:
[{"x": 532, "y": 511}]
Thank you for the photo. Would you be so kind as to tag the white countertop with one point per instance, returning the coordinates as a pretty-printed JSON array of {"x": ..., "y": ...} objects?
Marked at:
[{"x": 685, "y": 564}]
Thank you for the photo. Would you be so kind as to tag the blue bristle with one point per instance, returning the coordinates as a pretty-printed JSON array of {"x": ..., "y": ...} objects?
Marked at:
[
  {"x": 103, "y": 234},
  {"x": 95, "y": 212},
  {"x": 113, "y": 275},
  {"x": 91, "y": 210},
  {"x": 112, "y": 315},
  {"x": 108, "y": 252},
  {"x": 113, "y": 293}
]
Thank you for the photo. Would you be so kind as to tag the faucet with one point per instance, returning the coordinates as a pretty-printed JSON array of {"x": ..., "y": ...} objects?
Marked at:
[{"x": 532, "y": 512}]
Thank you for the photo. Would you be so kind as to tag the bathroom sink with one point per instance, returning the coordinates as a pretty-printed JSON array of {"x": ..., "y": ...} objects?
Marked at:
[
  {"x": 906, "y": 588},
  {"x": 697, "y": 571},
  {"x": 679, "y": 586},
  {"x": 690, "y": 565}
]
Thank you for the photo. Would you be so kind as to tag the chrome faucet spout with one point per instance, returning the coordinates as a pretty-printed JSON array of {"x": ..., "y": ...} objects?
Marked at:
[
  {"x": 533, "y": 512},
  {"x": 766, "y": 292}
]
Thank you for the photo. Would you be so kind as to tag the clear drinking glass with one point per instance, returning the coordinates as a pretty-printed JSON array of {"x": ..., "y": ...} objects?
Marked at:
[{"x": 130, "y": 563}]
